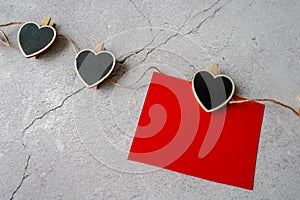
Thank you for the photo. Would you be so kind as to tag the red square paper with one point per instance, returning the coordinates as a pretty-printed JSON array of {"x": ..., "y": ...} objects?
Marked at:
[{"x": 175, "y": 133}]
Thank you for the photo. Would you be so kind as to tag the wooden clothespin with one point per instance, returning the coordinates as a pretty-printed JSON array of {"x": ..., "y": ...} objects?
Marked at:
[
  {"x": 214, "y": 69},
  {"x": 47, "y": 21},
  {"x": 99, "y": 46}
]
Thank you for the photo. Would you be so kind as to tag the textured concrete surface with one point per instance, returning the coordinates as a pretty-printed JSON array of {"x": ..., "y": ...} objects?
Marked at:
[{"x": 59, "y": 141}]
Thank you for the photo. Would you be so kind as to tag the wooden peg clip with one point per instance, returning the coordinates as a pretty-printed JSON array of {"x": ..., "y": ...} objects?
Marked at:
[
  {"x": 47, "y": 21},
  {"x": 99, "y": 46},
  {"x": 214, "y": 69}
]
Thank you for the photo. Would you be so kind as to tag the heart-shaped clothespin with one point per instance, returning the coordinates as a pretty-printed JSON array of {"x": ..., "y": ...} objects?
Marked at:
[
  {"x": 93, "y": 67},
  {"x": 34, "y": 39},
  {"x": 211, "y": 90}
]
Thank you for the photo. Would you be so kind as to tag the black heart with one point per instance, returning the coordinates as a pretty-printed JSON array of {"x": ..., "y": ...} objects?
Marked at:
[
  {"x": 212, "y": 92},
  {"x": 93, "y": 68},
  {"x": 34, "y": 39}
]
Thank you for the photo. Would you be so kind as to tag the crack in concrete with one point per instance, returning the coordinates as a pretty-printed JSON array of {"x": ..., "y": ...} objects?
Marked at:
[
  {"x": 140, "y": 12},
  {"x": 129, "y": 56},
  {"x": 157, "y": 46},
  {"x": 22, "y": 180},
  {"x": 203, "y": 21},
  {"x": 190, "y": 31},
  {"x": 47, "y": 112},
  {"x": 138, "y": 51},
  {"x": 206, "y": 10},
  {"x": 176, "y": 34},
  {"x": 150, "y": 24}
]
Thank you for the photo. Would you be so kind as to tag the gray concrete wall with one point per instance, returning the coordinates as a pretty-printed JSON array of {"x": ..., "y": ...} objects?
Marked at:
[{"x": 59, "y": 141}]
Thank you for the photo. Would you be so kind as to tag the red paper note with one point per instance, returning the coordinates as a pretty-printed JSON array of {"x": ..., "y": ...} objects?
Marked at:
[{"x": 175, "y": 133}]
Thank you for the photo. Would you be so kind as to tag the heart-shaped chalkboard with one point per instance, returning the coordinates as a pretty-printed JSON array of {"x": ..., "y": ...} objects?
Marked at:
[
  {"x": 34, "y": 39},
  {"x": 93, "y": 68},
  {"x": 212, "y": 92}
]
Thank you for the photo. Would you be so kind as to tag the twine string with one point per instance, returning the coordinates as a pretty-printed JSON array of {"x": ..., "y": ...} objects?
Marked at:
[
  {"x": 230, "y": 102},
  {"x": 266, "y": 100},
  {"x": 73, "y": 44},
  {"x": 11, "y": 23},
  {"x": 5, "y": 39}
]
